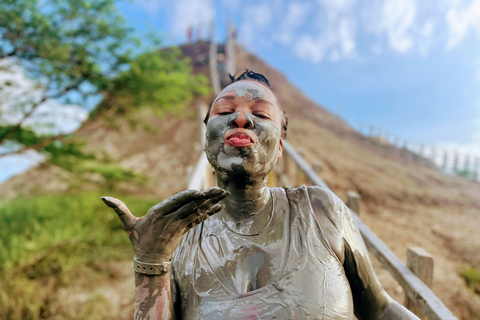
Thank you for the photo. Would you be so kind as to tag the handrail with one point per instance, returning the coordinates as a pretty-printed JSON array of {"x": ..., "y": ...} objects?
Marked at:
[
  {"x": 302, "y": 164},
  {"x": 198, "y": 176},
  {"x": 430, "y": 305}
]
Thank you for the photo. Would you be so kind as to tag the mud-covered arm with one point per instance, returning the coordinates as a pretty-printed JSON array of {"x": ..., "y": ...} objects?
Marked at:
[
  {"x": 155, "y": 237},
  {"x": 153, "y": 297},
  {"x": 370, "y": 299}
]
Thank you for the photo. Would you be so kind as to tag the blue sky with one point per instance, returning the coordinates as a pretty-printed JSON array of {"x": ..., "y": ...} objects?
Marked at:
[{"x": 410, "y": 67}]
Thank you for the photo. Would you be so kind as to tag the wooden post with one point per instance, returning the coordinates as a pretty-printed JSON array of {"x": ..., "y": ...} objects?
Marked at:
[
  {"x": 230, "y": 63},
  {"x": 421, "y": 150},
  {"x": 288, "y": 165},
  {"x": 202, "y": 110},
  {"x": 300, "y": 174},
  {"x": 433, "y": 154},
  {"x": 317, "y": 167},
  {"x": 272, "y": 179},
  {"x": 455, "y": 163},
  {"x": 353, "y": 201},
  {"x": 421, "y": 264},
  {"x": 445, "y": 160},
  {"x": 476, "y": 168},
  {"x": 212, "y": 61},
  {"x": 467, "y": 164}
]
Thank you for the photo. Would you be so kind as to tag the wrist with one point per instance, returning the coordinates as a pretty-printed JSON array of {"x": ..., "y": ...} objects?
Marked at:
[{"x": 153, "y": 258}]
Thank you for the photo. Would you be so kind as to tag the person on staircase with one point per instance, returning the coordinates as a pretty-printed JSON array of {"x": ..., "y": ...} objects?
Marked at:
[{"x": 243, "y": 250}]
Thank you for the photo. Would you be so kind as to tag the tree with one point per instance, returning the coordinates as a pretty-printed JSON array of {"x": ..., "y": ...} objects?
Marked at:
[
  {"x": 76, "y": 49},
  {"x": 71, "y": 48}
]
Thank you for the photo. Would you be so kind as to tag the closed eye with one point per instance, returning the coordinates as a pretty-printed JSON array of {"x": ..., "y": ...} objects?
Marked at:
[
  {"x": 225, "y": 113},
  {"x": 261, "y": 115}
]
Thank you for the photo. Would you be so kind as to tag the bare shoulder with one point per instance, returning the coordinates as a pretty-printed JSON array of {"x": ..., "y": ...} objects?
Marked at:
[
  {"x": 325, "y": 203},
  {"x": 329, "y": 211}
]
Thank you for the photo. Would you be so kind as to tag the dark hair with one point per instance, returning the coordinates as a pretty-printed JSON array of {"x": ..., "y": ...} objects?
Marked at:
[{"x": 251, "y": 75}]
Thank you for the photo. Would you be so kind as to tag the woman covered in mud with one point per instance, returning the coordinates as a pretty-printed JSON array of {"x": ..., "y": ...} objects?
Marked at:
[{"x": 246, "y": 251}]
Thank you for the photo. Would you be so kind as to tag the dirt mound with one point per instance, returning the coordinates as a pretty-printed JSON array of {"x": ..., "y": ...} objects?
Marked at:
[{"x": 406, "y": 202}]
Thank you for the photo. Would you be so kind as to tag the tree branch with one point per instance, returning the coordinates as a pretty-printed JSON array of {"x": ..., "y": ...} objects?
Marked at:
[
  {"x": 37, "y": 146},
  {"x": 15, "y": 128}
]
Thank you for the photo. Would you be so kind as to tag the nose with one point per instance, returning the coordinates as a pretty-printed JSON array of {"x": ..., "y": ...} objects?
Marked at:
[{"x": 242, "y": 121}]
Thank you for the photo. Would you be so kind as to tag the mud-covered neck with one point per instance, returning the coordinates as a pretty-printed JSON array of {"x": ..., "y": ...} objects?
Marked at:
[{"x": 248, "y": 197}]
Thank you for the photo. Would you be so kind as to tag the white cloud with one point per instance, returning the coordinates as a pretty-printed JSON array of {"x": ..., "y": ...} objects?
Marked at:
[
  {"x": 308, "y": 48},
  {"x": 294, "y": 18},
  {"x": 425, "y": 40},
  {"x": 461, "y": 19},
  {"x": 192, "y": 13},
  {"x": 330, "y": 29},
  {"x": 394, "y": 20},
  {"x": 256, "y": 23},
  {"x": 334, "y": 34}
]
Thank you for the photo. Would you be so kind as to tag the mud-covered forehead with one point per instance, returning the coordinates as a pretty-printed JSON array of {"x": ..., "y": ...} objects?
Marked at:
[{"x": 243, "y": 88}]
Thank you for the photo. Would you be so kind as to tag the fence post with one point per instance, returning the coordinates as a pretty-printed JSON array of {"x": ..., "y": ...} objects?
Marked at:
[
  {"x": 467, "y": 164},
  {"x": 272, "y": 179},
  {"x": 421, "y": 150},
  {"x": 212, "y": 61},
  {"x": 421, "y": 264},
  {"x": 433, "y": 154},
  {"x": 476, "y": 168},
  {"x": 455, "y": 163},
  {"x": 445, "y": 160},
  {"x": 317, "y": 167},
  {"x": 299, "y": 172},
  {"x": 353, "y": 201}
]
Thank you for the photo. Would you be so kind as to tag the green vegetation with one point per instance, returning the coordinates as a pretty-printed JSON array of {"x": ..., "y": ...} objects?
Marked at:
[
  {"x": 467, "y": 174},
  {"x": 71, "y": 48},
  {"x": 76, "y": 49},
  {"x": 159, "y": 80},
  {"x": 472, "y": 277},
  {"x": 53, "y": 242}
]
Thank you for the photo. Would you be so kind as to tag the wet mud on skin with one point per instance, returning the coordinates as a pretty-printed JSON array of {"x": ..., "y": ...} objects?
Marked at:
[
  {"x": 244, "y": 87},
  {"x": 243, "y": 171},
  {"x": 268, "y": 253}
]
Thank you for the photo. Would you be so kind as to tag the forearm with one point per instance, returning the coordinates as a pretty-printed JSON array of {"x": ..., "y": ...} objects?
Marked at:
[
  {"x": 153, "y": 297},
  {"x": 396, "y": 311}
]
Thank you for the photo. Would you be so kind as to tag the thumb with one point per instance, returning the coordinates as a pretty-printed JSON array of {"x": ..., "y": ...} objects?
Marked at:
[{"x": 126, "y": 217}]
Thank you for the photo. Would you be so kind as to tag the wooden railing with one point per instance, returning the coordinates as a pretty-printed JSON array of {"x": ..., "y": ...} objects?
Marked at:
[{"x": 419, "y": 298}]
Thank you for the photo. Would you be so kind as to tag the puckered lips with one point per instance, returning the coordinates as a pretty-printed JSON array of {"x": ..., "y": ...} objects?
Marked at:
[{"x": 239, "y": 138}]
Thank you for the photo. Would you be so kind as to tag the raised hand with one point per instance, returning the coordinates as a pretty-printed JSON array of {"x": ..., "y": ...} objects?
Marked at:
[{"x": 156, "y": 235}]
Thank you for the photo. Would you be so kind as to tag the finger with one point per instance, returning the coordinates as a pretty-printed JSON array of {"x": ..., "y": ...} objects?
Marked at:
[
  {"x": 213, "y": 191},
  {"x": 177, "y": 201},
  {"x": 126, "y": 217},
  {"x": 199, "y": 219},
  {"x": 196, "y": 209}
]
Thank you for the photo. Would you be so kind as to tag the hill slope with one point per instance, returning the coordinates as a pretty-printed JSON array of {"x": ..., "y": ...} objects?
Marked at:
[{"x": 406, "y": 203}]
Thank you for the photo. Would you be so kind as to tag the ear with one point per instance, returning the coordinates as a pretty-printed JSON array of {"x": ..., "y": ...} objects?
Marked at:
[{"x": 280, "y": 148}]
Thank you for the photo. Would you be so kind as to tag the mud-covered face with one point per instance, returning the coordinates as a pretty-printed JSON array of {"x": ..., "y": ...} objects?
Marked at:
[{"x": 243, "y": 130}]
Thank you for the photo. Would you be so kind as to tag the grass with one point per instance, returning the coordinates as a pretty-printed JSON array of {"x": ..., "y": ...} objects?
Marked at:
[
  {"x": 52, "y": 242},
  {"x": 472, "y": 278}
]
